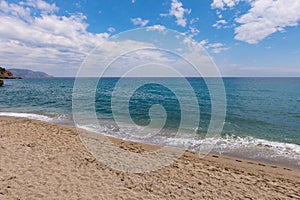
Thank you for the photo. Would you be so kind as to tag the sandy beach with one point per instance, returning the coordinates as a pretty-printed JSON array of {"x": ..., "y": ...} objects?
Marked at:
[{"x": 40, "y": 160}]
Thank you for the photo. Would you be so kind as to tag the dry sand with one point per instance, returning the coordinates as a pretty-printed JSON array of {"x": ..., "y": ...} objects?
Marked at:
[{"x": 40, "y": 160}]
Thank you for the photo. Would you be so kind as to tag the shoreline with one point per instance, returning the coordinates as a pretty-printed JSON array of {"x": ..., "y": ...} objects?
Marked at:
[
  {"x": 46, "y": 160},
  {"x": 234, "y": 154}
]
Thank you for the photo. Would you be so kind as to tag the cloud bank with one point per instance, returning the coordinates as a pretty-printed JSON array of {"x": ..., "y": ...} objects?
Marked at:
[
  {"x": 264, "y": 17},
  {"x": 33, "y": 35}
]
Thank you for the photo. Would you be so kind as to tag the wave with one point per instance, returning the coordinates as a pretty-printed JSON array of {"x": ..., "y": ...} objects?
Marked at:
[
  {"x": 249, "y": 147},
  {"x": 238, "y": 142},
  {"x": 245, "y": 147},
  {"x": 33, "y": 116}
]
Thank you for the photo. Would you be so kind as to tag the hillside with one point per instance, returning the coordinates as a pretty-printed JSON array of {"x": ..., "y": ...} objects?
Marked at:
[{"x": 25, "y": 73}]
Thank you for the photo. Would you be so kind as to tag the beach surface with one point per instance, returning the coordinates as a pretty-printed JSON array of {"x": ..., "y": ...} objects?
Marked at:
[{"x": 40, "y": 160}]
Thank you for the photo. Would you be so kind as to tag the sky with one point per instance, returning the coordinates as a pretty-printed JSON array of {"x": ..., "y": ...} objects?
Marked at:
[{"x": 243, "y": 37}]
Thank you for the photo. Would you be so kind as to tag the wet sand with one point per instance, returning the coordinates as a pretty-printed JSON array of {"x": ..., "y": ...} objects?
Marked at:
[{"x": 40, "y": 160}]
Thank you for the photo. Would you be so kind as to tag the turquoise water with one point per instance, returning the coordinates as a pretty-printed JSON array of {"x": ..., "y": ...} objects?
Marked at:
[{"x": 262, "y": 115}]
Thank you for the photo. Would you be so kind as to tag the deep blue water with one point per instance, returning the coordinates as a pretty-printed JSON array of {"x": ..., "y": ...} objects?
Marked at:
[{"x": 262, "y": 114}]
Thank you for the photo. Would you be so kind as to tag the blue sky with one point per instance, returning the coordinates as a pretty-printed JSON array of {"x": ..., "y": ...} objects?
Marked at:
[{"x": 244, "y": 37}]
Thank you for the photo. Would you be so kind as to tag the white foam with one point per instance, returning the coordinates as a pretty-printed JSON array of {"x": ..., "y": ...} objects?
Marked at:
[
  {"x": 28, "y": 116},
  {"x": 238, "y": 142},
  {"x": 248, "y": 146},
  {"x": 221, "y": 143},
  {"x": 253, "y": 147}
]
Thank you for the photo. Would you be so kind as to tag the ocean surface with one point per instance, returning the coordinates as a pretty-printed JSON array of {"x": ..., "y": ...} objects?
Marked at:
[{"x": 262, "y": 114}]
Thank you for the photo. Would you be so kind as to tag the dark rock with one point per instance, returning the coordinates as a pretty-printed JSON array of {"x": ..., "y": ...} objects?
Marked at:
[
  {"x": 6, "y": 74},
  {"x": 1, "y": 82}
]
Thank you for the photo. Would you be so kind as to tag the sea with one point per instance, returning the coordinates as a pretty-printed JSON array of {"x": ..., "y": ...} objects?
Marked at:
[{"x": 262, "y": 120}]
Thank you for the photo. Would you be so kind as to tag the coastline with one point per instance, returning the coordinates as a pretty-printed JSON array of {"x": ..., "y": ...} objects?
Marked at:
[
  {"x": 45, "y": 160},
  {"x": 263, "y": 151}
]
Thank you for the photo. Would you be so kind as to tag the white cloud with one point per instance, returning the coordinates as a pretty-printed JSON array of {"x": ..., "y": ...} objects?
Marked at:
[
  {"x": 266, "y": 17},
  {"x": 139, "y": 21},
  {"x": 196, "y": 54},
  {"x": 219, "y": 24},
  {"x": 204, "y": 42},
  {"x": 149, "y": 52},
  {"x": 217, "y": 47},
  {"x": 41, "y": 5},
  {"x": 178, "y": 12},
  {"x": 222, "y": 4},
  {"x": 193, "y": 31},
  {"x": 54, "y": 43},
  {"x": 132, "y": 56},
  {"x": 132, "y": 1},
  {"x": 111, "y": 29},
  {"x": 213, "y": 47},
  {"x": 194, "y": 20},
  {"x": 15, "y": 10},
  {"x": 157, "y": 27}
]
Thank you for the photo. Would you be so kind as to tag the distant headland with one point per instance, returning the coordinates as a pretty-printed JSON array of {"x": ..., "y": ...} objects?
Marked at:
[{"x": 21, "y": 73}]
